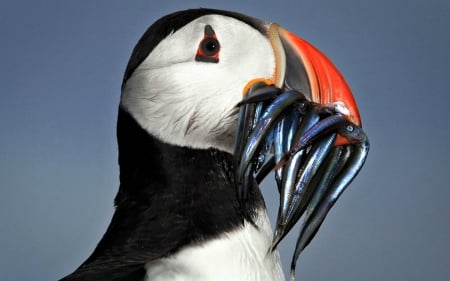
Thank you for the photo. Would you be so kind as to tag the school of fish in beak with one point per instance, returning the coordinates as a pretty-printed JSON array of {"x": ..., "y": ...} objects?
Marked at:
[{"x": 280, "y": 130}]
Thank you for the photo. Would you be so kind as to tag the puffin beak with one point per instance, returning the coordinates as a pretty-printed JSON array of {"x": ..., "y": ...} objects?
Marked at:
[
  {"x": 302, "y": 67},
  {"x": 303, "y": 124}
]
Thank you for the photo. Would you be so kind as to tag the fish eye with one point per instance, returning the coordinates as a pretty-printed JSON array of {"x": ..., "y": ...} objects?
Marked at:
[{"x": 350, "y": 128}]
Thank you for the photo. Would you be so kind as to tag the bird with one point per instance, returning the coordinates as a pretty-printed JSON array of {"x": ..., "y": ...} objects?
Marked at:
[{"x": 177, "y": 213}]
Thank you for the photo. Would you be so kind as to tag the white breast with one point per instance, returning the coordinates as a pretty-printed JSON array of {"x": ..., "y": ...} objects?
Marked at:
[{"x": 236, "y": 256}]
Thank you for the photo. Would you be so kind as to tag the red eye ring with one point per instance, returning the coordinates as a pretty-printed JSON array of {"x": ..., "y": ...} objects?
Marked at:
[{"x": 209, "y": 48}]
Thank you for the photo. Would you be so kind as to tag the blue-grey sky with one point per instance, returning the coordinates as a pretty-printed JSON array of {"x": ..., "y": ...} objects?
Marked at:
[{"x": 61, "y": 66}]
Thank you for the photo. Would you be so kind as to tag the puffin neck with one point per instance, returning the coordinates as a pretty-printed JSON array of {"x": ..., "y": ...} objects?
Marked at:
[{"x": 195, "y": 184}]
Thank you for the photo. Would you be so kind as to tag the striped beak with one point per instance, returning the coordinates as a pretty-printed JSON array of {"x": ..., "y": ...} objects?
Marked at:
[{"x": 302, "y": 67}]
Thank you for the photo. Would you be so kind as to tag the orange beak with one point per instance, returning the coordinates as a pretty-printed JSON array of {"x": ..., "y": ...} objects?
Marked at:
[{"x": 302, "y": 67}]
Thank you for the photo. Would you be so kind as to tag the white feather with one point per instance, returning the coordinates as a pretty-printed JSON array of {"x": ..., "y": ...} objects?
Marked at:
[
  {"x": 242, "y": 255},
  {"x": 190, "y": 103}
]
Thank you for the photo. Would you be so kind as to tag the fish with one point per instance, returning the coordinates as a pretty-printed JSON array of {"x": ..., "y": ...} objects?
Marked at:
[{"x": 281, "y": 132}]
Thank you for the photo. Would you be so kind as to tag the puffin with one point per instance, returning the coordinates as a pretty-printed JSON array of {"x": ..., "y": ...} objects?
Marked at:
[{"x": 177, "y": 213}]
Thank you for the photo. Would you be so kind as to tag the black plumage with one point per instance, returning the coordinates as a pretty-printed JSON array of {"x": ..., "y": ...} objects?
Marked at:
[{"x": 169, "y": 197}]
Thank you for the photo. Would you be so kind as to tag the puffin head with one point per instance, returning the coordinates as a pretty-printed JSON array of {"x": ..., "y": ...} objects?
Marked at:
[{"x": 189, "y": 70}]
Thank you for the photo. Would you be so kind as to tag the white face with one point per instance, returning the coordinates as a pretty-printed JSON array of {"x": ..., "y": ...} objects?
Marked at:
[{"x": 193, "y": 103}]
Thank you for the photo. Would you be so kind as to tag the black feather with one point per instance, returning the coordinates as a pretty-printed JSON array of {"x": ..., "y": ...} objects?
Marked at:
[{"x": 170, "y": 197}]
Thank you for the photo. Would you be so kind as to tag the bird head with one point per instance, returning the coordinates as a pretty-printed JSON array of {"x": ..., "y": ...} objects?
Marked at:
[{"x": 189, "y": 71}]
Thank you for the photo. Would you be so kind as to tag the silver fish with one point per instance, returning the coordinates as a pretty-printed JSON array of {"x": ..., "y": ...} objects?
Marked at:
[{"x": 297, "y": 139}]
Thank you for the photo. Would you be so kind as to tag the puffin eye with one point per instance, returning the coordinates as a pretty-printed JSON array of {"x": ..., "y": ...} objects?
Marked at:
[
  {"x": 209, "y": 46},
  {"x": 208, "y": 50}
]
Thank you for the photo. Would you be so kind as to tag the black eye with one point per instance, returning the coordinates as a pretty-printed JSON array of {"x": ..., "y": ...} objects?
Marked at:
[{"x": 209, "y": 48}]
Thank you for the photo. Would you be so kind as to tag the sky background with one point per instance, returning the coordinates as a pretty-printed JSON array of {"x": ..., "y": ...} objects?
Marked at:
[{"x": 61, "y": 66}]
